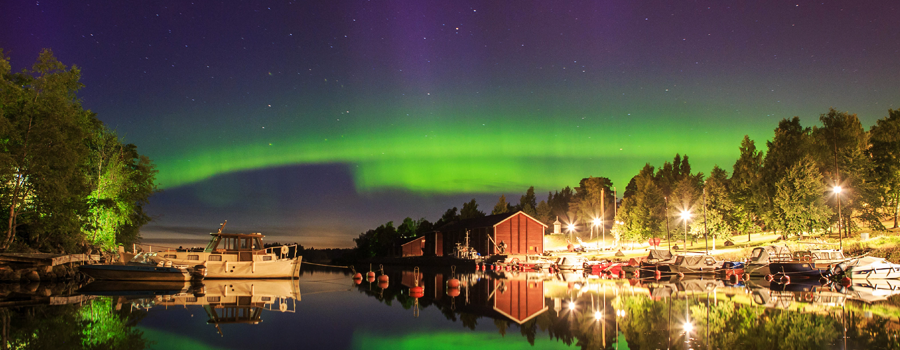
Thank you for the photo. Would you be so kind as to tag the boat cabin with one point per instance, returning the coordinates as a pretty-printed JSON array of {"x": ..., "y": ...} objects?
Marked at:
[{"x": 242, "y": 244}]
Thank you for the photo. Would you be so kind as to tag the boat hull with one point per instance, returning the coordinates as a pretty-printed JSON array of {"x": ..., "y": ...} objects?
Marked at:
[
  {"x": 276, "y": 268},
  {"x": 800, "y": 269},
  {"x": 135, "y": 273}
]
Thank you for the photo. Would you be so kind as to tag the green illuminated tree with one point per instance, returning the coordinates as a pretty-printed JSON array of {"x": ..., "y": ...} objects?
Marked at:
[
  {"x": 746, "y": 191},
  {"x": 840, "y": 150},
  {"x": 790, "y": 144},
  {"x": 720, "y": 213},
  {"x": 122, "y": 181},
  {"x": 644, "y": 211},
  {"x": 885, "y": 155},
  {"x": 799, "y": 205}
]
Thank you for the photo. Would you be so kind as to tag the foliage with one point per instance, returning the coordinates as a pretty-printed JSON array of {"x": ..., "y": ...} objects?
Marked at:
[
  {"x": 64, "y": 178},
  {"x": 885, "y": 155},
  {"x": 97, "y": 325},
  {"x": 470, "y": 210},
  {"x": 799, "y": 205},
  {"x": 501, "y": 207},
  {"x": 122, "y": 181},
  {"x": 644, "y": 212},
  {"x": 719, "y": 211},
  {"x": 746, "y": 191}
]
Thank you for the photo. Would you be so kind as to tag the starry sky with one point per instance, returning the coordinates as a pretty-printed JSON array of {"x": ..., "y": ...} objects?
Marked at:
[{"x": 313, "y": 121}]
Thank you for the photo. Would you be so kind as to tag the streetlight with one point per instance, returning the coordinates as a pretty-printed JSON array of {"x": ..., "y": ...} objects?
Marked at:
[
  {"x": 571, "y": 228},
  {"x": 837, "y": 192},
  {"x": 685, "y": 216}
]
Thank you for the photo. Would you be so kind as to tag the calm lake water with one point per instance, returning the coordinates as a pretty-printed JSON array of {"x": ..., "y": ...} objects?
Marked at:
[{"x": 326, "y": 309}]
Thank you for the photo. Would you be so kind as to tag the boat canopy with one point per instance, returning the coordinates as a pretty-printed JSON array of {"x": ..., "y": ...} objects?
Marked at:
[
  {"x": 772, "y": 253},
  {"x": 658, "y": 254},
  {"x": 233, "y": 242}
]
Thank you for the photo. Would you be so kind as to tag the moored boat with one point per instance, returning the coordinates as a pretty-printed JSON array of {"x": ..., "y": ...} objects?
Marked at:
[
  {"x": 657, "y": 260},
  {"x": 237, "y": 255},
  {"x": 814, "y": 263},
  {"x": 142, "y": 272},
  {"x": 868, "y": 267},
  {"x": 695, "y": 264},
  {"x": 761, "y": 257}
]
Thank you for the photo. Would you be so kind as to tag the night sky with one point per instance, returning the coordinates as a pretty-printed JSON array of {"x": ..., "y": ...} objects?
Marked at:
[{"x": 313, "y": 121}]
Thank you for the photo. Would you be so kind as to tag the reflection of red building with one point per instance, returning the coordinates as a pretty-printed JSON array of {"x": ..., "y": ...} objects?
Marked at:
[
  {"x": 519, "y": 300},
  {"x": 519, "y": 232},
  {"x": 413, "y": 248}
]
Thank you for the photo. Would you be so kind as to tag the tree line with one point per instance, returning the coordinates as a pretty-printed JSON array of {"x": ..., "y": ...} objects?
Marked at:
[
  {"x": 67, "y": 182},
  {"x": 788, "y": 189}
]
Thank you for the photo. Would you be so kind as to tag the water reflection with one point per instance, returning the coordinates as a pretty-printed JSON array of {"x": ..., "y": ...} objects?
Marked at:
[
  {"x": 677, "y": 313},
  {"x": 570, "y": 309}
]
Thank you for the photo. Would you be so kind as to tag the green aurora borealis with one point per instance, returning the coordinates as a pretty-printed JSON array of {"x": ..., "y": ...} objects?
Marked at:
[{"x": 477, "y": 153}]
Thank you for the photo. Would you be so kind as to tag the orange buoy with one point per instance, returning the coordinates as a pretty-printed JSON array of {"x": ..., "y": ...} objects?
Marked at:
[
  {"x": 383, "y": 278},
  {"x": 453, "y": 292},
  {"x": 371, "y": 274},
  {"x": 769, "y": 278},
  {"x": 357, "y": 280},
  {"x": 357, "y": 276},
  {"x": 658, "y": 274},
  {"x": 383, "y": 284},
  {"x": 417, "y": 292},
  {"x": 453, "y": 283},
  {"x": 370, "y": 279},
  {"x": 680, "y": 275}
]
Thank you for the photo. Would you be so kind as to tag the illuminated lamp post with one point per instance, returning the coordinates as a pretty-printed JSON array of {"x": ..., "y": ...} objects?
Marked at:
[
  {"x": 685, "y": 215},
  {"x": 571, "y": 228},
  {"x": 837, "y": 192}
]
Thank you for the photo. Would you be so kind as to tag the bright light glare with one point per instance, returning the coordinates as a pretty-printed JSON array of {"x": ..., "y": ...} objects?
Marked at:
[
  {"x": 688, "y": 327},
  {"x": 685, "y": 215},
  {"x": 837, "y": 189},
  {"x": 571, "y": 305},
  {"x": 571, "y": 227},
  {"x": 598, "y": 315},
  {"x": 597, "y": 222}
]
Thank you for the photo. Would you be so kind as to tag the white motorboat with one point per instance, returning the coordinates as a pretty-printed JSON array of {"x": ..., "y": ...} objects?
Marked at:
[
  {"x": 237, "y": 255},
  {"x": 869, "y": 267}
]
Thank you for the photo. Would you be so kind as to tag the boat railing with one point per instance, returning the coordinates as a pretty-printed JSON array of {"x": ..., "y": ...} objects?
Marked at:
[{"x": 283, "y": 250}]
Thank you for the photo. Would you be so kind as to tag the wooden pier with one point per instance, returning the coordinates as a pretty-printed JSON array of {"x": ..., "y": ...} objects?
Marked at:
[{"x": 45, "y": 259}]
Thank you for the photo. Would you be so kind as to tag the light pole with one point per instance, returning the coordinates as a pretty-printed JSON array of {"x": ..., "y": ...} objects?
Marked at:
[
  {"x": 571, "y": 228},
  {"x": 837, "y": 192},
  {"x": 685, "y": 215},
  {"x": 597, "y": 222},
  {"x": 668, "y": 239}
]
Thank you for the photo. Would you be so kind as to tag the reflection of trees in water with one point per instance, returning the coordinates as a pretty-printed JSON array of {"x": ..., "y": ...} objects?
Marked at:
[
  {"x": 729, "y": 325},
  {"x": 659, "y": 324},
  {"x": 94, "y": 325}
]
